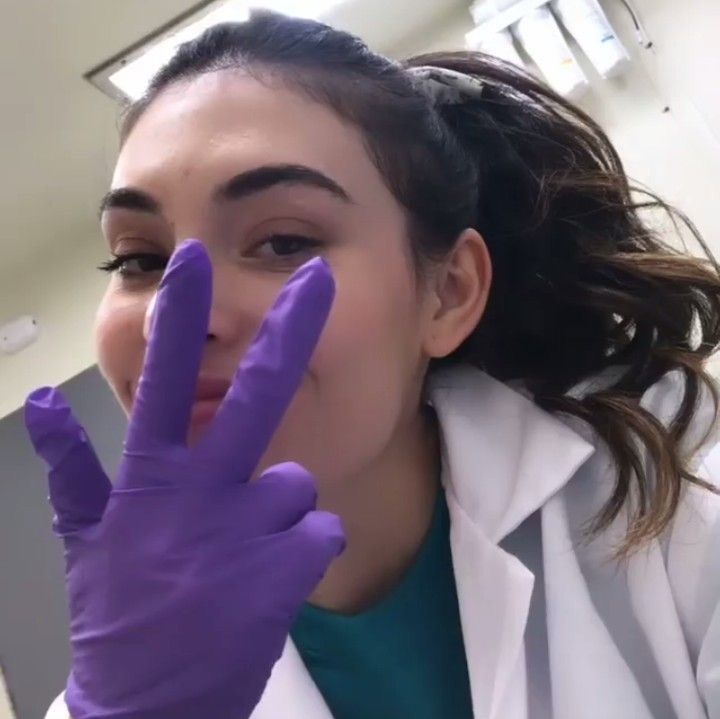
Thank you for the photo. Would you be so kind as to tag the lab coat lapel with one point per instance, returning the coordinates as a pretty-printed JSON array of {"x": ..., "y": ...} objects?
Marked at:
[
  {"x": 493, "y": 590},
  {"x": 291, "y": 692},
  {"x": 503, "y": 457}
]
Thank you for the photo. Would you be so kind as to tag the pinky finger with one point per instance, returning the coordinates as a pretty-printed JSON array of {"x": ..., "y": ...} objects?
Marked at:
[{"x": 79, "y": 487}]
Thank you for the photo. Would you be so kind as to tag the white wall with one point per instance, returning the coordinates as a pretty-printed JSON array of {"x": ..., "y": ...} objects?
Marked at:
[{"x": 677, "y": 153}]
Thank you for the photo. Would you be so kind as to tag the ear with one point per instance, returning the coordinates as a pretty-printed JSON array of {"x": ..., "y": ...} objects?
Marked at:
[{"x": 460, "y": 293}]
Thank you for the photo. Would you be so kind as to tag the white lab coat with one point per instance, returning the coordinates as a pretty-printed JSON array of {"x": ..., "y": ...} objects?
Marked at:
[{"x": 551, "y": 627}]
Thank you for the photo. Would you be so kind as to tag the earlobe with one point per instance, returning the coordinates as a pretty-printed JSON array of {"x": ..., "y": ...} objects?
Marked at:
[{"x": 461, "y": 291}]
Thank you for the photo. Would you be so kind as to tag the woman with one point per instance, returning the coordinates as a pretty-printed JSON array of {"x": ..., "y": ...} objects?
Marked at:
[{"x": 487, "y": 495}]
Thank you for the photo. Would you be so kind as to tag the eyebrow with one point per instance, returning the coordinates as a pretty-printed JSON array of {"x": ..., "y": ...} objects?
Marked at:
[{"x": 238, "y": 187}]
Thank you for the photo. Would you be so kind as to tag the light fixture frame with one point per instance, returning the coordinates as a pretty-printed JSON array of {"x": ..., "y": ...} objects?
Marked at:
[{"x": 100, "y": 75}]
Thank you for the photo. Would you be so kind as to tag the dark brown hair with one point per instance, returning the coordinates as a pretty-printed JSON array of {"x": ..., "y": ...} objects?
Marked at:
[{"x": 581, "y": 283}]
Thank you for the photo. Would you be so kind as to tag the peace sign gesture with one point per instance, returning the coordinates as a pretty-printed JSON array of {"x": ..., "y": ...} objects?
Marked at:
[{"x": 183, "y": 578}]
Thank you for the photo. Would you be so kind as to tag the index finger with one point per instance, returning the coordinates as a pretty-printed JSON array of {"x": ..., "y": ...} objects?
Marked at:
[
  {"x": 271, "y": 371},
  {"x": 164, "y": 398}
]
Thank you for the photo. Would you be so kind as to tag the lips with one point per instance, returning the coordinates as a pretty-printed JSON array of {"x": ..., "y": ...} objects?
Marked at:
[
  {"x": 209, "y": 388},
  {"x": 204, "y": 410},
  {"x": 209, "y": 393}
]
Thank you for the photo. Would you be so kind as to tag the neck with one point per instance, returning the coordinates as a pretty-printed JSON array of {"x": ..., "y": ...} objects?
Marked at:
[{"x": 386, "y": 513}]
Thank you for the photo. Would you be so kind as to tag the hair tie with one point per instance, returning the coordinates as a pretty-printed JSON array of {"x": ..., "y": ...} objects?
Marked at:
[{"x": 444, "y": 86}]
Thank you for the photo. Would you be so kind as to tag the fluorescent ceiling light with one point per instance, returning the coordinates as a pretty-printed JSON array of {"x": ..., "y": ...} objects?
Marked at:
[{"x": 134, "y": 75}]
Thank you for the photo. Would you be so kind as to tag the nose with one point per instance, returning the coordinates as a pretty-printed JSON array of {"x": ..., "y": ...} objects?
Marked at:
[
  {"x": 150, "y": 312},
  {"x": 147, "y": 322},
  {"x": 239, "y": 302}
]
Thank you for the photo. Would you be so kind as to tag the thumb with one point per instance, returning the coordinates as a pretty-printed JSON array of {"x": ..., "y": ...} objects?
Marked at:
[{"x": 79, "y": 487}]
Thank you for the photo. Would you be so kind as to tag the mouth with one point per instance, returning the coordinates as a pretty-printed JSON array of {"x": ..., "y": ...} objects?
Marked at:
[
  {"x": 203, "y": 410},
  {"x": 209, "y": 395}
]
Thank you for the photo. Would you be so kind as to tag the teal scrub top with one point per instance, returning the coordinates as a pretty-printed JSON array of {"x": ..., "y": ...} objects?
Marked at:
[{"x": 402, "y": 657}]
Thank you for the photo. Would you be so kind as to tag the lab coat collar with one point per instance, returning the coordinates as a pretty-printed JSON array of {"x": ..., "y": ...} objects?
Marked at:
[{"x": 503, "y": 456}]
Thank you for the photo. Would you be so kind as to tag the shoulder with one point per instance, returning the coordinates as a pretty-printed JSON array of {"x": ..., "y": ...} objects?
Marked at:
[
  {"x": 697, "y": 520},
  {"x": 663, "y": 400},
  {"x": 691, "y": 544},
  {"x": 691, "y": 548}
]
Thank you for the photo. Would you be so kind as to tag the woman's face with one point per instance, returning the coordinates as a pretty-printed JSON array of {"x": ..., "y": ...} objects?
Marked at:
[{"x": 364, "y": 377}]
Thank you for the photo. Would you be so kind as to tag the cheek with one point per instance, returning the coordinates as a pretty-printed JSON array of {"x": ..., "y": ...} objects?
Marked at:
[
  {"x": 362, "y": 377},
  {"x": 119, "y": 343},
  {"x": 373, "y": 320}
]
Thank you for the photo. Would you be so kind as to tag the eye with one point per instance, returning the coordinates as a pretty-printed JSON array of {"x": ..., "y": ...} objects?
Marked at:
[
  {"x": 286, "y": 247},
  {"x": 146, "y": 262}
]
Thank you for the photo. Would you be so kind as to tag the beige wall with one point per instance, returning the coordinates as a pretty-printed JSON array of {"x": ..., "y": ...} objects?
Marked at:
[{"x": 677, "y": 153}]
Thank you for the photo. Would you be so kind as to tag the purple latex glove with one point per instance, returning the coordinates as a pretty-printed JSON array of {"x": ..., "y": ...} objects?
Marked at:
[{"x": 183, "y": 578}]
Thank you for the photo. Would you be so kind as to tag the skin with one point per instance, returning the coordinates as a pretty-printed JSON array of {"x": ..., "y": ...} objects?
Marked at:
[{"x": 357, "y": 421}]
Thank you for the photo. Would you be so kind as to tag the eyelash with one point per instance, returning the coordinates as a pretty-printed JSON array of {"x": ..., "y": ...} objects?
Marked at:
[
  {"x": 119, "y": 260},
  {"x": 117, "y": 263}
]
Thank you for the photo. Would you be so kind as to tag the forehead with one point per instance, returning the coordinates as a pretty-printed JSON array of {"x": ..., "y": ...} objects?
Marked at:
[{"x": 220, "y": 123}]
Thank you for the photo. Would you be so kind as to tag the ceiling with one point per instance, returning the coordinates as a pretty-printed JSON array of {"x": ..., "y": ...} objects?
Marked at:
[{"x": 60, "y": 132}]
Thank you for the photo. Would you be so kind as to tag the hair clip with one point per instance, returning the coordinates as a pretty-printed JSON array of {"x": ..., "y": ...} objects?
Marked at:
[{"x": 444, "y": 86}]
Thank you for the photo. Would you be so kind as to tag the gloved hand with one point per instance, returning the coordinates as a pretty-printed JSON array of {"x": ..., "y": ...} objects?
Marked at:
[{"x": 183, "y": 578}]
